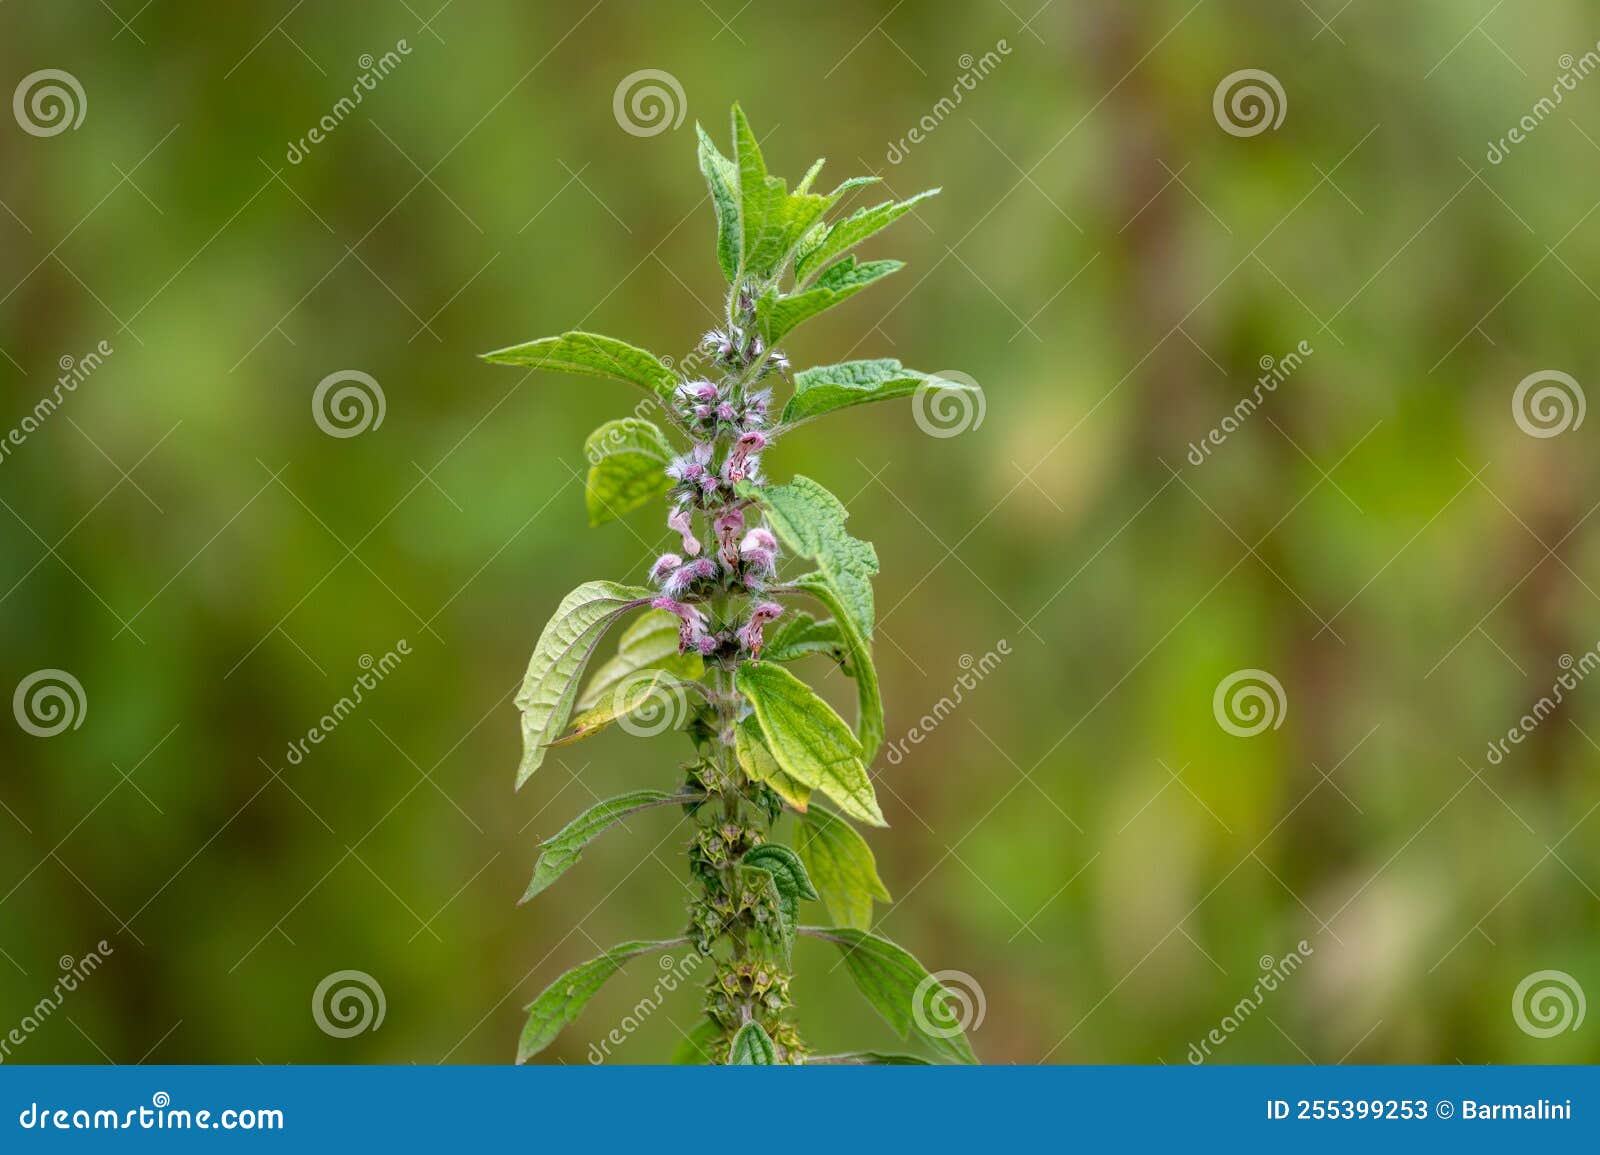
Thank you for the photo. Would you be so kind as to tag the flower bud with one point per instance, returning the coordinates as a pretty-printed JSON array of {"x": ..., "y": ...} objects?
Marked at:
[{"x": 665, "y": 564}]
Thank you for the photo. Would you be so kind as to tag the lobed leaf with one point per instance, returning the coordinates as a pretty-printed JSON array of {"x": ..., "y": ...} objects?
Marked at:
[
  {"x": 901, "y": 990},
  {"x": 569, "y": 638},
  {"x": 857, "y": 663},
  {"x": 561, "y": 852},
  {"x": 778, "y": 314},
  {"x": 810, "y": 522},
  {"x": 752, "y": 1046},
  {"x": 807, "y": 739},
  {"x": 758, "y": 764},
  {"x": 563, "y": 1000},
  {"x": 841, "y": 867},
  {"x": 595, "y": 356},
  {"x": 627, "y": 462},
  {"x": 829, "y": 387},
  {"x": 846, "y": 234}
]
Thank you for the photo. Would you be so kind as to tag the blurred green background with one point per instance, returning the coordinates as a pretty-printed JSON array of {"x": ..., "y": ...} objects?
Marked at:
[{"x": 1080, "y": 836}]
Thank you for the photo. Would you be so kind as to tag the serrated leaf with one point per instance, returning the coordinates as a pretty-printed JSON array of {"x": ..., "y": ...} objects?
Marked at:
[
  {"x": 662, "y": 691},
  {"x": 841, "y": 867},
  {"x": 854, "y": 182},
  {"x": 694, "y": 1048},
  {"x": 901, "y": 990},
  {"x": 811, "y": 175},
  {"x": 828, "y": 387},
  {"x": 595, "y": 356},
  {"x": 550, "y": 686},
  {"x": 801, "y": 634},
  {"x": 868, "y": 1059},
  {"x": 771, "y": 220},
  {"x": 561, "y": 852},
  {"x": 790, "y": 879},
  {"x": 723, "y": 180},
  {"x": 844, "y": 235},
  {"x": 627, "y": 463},
  {"x": 759, "y": 764},
  {"x": 752, "y": 1046},
  {"x": 807, "y": 739},
  {"x": 649, "y": 642},
  {"x": 563, "y": 1000},
  {"x": 777, "y": 315},
  {"x": 857, "y": 662},
  {"x": 811, "y": 521}
]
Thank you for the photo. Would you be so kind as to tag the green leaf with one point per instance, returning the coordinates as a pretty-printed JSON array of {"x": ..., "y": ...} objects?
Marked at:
[
  {"x": 829, "y": 387},
  {"x": 841, "y": 867},
  {"x": 649, "y": 642},
  {"x": 789, "y": 877},
  {"x": 807, "y": 739},
  {"x": 561, "y": 852},
  {"x": 801, "y": 634},
  {"x": 811, "y": 174},
  {"x": 627, "y": 462},
  {"x": 569, "y": 638},
  {"x": 777, "y": 315},
  {"x": 771, "y": 221},
  {"x": 901, "y": 990},
  {"x": 846, "y": 234},
  {"x": 752, "y": 1047},
  {"x": 564, "y": 999},
  {"x": 758, "y": 763},
  {"x": 662, "y": 691},
  {"x": 857, "y": 662},
  {"x": 595, "y": 356},
  {"x": 810, "y": 521},
  {"x": 723, "y": 180},
  {"x": 868, "y": 1059},
  {"x": 695, "y": 1047}
]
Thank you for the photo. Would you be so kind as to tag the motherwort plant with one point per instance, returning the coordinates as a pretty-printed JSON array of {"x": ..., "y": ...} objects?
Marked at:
[{"x": 716, "y": 628}]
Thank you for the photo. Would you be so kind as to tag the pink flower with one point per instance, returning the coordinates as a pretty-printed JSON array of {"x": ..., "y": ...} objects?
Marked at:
[
  {"x": 740, "y": 463},
  {"x": 680, "y": 521},
  {"x": 691, "y": 622},
  {"x": 665, "y": 564},
  {"x": 728, "y": 525},
  {"x": 750, "y": 632}
]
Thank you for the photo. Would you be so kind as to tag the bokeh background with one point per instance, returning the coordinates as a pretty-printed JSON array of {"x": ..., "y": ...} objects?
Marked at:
[{"x": 1108, "y": 863}]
